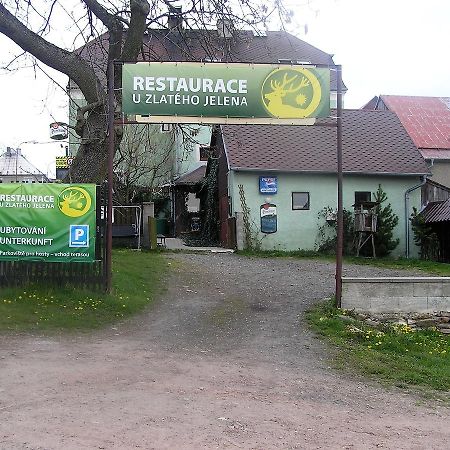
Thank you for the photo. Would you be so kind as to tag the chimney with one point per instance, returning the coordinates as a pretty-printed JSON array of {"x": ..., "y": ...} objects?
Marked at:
[
  {"x": 225, "y": 28},
  {"x": 9, "y": 151},
  {"x": 175, "y": 18}
]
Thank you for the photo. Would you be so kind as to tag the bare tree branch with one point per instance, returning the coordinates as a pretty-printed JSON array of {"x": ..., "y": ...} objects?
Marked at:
[
  {"x": 55, "y": 57},
  {"x": 133, "y": 42}
]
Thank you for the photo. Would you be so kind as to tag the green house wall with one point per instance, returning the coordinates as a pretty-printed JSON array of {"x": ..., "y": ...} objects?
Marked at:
[
  {"x": 298, "y": 229},
  {"x": 188, "y": 142}
]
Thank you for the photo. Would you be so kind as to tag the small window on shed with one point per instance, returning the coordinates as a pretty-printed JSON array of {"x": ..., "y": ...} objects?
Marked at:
[
  {"x": 362, "y": 196},
  {"x": 165, "y": 127},
  {"x": 300, "y": 200}
]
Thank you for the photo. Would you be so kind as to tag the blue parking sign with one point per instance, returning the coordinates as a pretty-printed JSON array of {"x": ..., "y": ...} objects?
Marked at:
[{"x": 79, "y": 236}]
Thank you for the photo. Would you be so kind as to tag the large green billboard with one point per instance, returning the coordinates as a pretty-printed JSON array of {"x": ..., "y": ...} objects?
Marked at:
[
  {"x": 47, "y": 222},
  {"x": 217, "y": 92}
]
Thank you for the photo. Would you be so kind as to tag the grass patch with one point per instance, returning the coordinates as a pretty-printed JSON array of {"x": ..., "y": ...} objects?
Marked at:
[
  {"x": 285, "y": 254},
  {"x": 137, "y": 279},
  {"x": 432, "y": 267},
  {"x": 394, "y": 354}
]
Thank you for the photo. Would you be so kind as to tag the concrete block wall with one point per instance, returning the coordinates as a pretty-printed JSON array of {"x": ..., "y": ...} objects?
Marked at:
[{"x": 396, "y": 295}]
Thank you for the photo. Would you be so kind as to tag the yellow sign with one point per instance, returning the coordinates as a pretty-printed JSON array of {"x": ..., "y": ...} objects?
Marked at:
[
  {"x": 64, "y": 162},
  {"x": 290, "y": 93},
  {"x": 74, "y": 201}
]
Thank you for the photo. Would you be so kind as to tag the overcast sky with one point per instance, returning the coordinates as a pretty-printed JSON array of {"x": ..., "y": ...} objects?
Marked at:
[{"x": 385, "y": 47}]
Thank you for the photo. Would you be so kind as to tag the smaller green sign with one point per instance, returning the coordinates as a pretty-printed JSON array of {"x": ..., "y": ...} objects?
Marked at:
[{"x": 47, "y": 222}]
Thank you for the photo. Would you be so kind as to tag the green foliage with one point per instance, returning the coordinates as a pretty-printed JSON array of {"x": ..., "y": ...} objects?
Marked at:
[
  {"x": 136, "y": 281},
  {"x": 209, "y": 205},
  {"x": 431, "y": 267},
  {"x": 387, "y": 221},
  {"x": 424, "y": 237},
  {"x": 252, "y": 241},
  {"x": 395, "y": 354},
  {"x": 326, "y": 241},
  {"x": 285, "y": 254},
  {"x": 210, "y": 226}
]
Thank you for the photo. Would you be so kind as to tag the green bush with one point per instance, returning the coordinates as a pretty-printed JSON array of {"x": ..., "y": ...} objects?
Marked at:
[
  {"x": 424, "y": 237},
  {"x": 387, "y": 221}
]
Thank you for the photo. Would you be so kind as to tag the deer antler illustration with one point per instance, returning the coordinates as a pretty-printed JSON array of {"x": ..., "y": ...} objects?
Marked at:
[
  {"x": 280, "y": 88},
  {"x": 73, "y": 197},
  {"x": 283, "y": 86}
]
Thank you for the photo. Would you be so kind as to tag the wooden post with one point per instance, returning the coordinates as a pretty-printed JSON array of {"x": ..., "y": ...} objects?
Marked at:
[
  {"x": 340, "y": 213},
  {"x": 152, "y": 233}
]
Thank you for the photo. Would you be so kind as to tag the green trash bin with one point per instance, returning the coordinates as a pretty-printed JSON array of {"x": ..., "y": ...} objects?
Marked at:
[{"x": 162, "y": 226}]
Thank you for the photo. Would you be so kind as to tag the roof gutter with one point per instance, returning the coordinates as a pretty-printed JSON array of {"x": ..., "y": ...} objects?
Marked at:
[
  {"x": 325, "y": 172},
  {"x": 408, "y": 191}
]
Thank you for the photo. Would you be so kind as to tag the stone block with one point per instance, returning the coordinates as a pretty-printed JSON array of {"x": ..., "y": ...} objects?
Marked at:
[
  {"x": 446, "y": 288},
  {"x": 413, "y": 304},
  {"x": 438, "y": 304},
  {"x": 426, "y": 323},
  {"x": 393, "y": 289},
  {"x": 427, "y": 289},
  {"x": 365, "y": 289},
  {"x": 353, "y": 289},
  {"x": 384, "y": 304},
  {"x": 356, "y": 302}
]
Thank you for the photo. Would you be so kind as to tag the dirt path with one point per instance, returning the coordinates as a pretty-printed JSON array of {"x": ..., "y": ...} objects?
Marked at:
[{"x": 224, "y": 360}]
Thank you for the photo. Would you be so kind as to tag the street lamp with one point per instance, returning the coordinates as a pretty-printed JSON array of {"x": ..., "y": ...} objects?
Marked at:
[{"x": 18, "y": 150}]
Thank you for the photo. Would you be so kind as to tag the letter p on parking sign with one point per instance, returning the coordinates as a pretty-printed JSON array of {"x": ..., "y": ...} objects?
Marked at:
[{"x": 79, "y": 236}]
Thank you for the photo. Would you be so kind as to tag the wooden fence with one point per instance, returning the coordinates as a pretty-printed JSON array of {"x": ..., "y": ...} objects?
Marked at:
[{"x": 80, "y": 275}]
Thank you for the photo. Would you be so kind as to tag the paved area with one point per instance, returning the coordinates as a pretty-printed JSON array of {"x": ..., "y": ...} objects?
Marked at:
[
  {"x": 178, "y": 244},
  {"x": 223, "y": 361}
]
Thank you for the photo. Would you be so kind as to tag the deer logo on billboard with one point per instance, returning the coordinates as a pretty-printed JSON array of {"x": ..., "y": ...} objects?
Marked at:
[
  {"x": 74, "y": 201},
  {"x": 291, "y": 93}
]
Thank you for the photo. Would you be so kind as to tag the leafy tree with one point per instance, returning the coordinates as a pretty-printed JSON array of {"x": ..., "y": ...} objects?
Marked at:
[
  {"x": 387, "y": 221},
  {"x": 118, "y": 28}
]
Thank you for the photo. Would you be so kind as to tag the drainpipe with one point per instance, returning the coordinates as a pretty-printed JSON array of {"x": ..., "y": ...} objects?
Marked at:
[{"x": 408, "y": 191}]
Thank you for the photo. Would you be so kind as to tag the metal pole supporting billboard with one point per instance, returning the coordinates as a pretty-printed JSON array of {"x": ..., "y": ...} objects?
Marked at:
[
  {"x": 340, "y": 214},
  {"x": 108, "y": 262}
]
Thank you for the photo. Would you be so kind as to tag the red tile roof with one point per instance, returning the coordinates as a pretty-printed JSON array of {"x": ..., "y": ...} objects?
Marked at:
[
  {"x": 431, "y": 153},
  {"x": 426, "y": 119},
  {"x": 374, "y": 142}
]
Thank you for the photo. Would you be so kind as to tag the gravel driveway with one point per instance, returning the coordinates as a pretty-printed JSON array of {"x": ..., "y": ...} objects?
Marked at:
[{"x": 223, "y": 360}]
